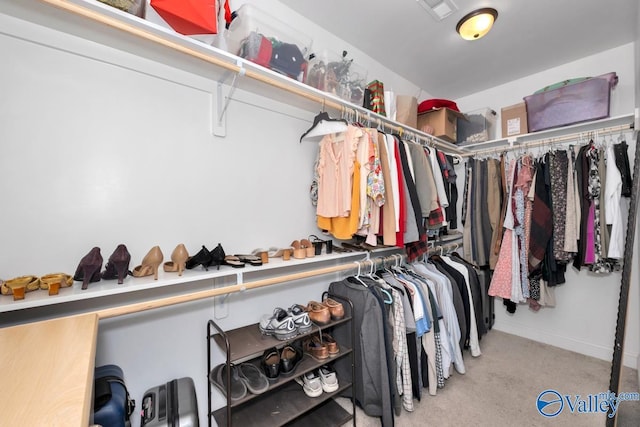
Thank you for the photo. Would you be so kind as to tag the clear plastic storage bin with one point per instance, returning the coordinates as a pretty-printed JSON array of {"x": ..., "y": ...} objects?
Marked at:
[
  {"x": 480, "y": 126},
  {"x": 269, "y": 42},
  {"x": 338, "y": 75}
]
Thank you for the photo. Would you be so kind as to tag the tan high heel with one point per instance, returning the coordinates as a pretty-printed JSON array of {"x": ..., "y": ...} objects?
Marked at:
[
  {"x": 150, "y": 264},
  {"x": 310, "y": 251},
  {"x": 178, "y": 260}
]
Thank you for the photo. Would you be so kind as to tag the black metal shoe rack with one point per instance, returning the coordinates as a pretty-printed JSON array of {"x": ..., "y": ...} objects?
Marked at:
[{"x": 284, "y": 402}]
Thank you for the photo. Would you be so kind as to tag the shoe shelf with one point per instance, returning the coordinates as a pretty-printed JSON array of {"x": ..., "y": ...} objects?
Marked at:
[
  {"x": 247, "y": 342},
  {"x": 284, "y": 401},
  {"x": 226, "y": 274},
  {"x": 289, "y": 404},
  {"x": 307, "y": 364}
]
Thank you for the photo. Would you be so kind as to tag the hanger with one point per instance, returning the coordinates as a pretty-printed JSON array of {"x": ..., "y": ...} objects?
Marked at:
[
  {"x": 324, "y": 125},
  {"x": 357, "y": 276}
]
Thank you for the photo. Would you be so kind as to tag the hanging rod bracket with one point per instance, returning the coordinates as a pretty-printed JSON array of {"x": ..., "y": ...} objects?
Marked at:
[{"x": 221, "y": 102}]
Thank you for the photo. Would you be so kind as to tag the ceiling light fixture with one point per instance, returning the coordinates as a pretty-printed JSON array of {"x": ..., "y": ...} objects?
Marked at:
[{"x": 476, "y": 24}]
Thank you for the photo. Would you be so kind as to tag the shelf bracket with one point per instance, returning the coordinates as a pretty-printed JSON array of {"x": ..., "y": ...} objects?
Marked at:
[
  {"x": 221, "y": 102},
  {"x": 221, "y": 302}
]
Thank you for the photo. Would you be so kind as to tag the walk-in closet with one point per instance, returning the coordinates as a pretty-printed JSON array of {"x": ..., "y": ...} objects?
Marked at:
[{"x": 213, "y": 219}]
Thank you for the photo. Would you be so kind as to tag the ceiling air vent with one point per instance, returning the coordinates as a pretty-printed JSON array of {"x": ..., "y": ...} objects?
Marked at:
[{"x": 438, "y": 9}]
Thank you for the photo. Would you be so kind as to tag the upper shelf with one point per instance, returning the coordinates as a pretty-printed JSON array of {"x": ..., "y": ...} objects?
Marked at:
[
  {"x": 551, "y": 134},
  {"x": 103, "y": 24}
]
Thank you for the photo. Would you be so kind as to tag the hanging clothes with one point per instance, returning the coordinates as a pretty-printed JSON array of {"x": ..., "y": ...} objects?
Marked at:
[
  {"x": 388, "y": 209},
  {"x": 372, "y": 381},
  {"x": 613, "y": 193}
]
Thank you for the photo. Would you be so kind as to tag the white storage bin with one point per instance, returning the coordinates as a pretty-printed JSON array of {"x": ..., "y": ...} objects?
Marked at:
[{"x": 267, "y": 41}]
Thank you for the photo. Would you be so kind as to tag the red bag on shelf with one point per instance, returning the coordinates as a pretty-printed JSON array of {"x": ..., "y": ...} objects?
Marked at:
[{"x": 189, "y": 17}]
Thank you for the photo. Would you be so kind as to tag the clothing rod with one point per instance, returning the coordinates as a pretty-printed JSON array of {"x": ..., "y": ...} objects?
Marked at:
[
  {"x": 237, "y": 68},
  {"x": 552, "y": 140}
]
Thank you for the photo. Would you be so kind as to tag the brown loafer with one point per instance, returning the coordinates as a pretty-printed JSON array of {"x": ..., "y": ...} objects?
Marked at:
[
  {"x": 318, "y": 313},
  {"x": 335, "y": 308},
  {"x": 330, "y": 342},
  {"x": 315, "y": 348}
]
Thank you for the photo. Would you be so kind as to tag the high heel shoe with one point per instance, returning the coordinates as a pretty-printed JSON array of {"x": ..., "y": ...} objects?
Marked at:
[
  {"x": 217, "y": 256},
  {"x": 118, "y": 265},
  {"x": 88, "y": 270},
  {"x": 299, "y": 251},
  {"x": 19, "y": 286},
  {"x": 150, "y": 264},
  {"x": 309, "y": 250},
  {"x": 55, "y": 281},
  {"x": 179, "y": 258},
  {"x": 203, "y": 257}
]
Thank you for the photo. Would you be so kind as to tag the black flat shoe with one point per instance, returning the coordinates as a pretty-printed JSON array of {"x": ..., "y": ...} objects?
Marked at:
[
  {"x": 203, "y": 257},
  {"x": 290, "y": 357},
  {"x": 270, "y": 363}
]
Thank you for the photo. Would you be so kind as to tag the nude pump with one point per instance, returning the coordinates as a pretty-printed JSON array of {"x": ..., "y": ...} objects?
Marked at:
[
  {"x": 150, "y": 264},
  {"x": 178, "y": 261}
]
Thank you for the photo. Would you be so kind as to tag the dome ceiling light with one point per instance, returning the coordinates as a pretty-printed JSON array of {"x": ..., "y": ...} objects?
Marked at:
[{"x": 477, "y": 24}]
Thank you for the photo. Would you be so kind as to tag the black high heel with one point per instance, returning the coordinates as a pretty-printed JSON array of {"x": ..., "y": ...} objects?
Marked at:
[
  {"x": 203, "y": 257},
  {"x": 88, "y": 270},
  {"x": 118, "y": 265},
  {"x": 217, "y": 256}
]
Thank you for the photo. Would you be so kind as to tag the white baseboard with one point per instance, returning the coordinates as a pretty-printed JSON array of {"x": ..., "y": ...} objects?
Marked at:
[{"x": 589, "y": 349}]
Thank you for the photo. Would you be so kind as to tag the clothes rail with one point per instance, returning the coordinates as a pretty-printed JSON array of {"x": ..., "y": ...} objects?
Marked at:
[
  {"x": 389, "y": 126},
  {"x": 552, "y": 140}
]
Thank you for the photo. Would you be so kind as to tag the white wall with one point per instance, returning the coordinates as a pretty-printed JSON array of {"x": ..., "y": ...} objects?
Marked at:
[
  {"x": 100, "y": 147},
  {"x": 584, "y": 319}
]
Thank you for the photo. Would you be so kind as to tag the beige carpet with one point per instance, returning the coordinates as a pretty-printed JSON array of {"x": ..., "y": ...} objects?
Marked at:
[{"x": 501, "y": 387}]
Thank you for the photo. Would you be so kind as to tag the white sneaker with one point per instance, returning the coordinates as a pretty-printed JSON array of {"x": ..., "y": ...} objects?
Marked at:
[
  {"x": 311, "y": 384},
  {"x": 328, "y": 379}
]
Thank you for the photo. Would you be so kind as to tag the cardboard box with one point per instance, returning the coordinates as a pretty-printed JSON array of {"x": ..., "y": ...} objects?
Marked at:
[
  {"x": 514, "y": 120},
  {"x": 443, "y": 121}
]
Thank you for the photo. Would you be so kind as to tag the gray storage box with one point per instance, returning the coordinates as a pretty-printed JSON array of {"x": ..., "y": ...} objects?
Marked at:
[
  {"x": 173, "y": 404},
  {"x": 574, "y": 103}
]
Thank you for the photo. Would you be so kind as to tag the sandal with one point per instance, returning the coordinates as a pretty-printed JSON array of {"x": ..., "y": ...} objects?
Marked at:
[
  {"x": 53, "y": 282},
  {"x": 250, "y": 259},
  {"x": 19, "y": 286},
  {"x": 310, "y": 251},
  {"x": 233, "y": 261},
  {"x": 317, "y": 244},
  {"x": 273, "y": 252},
  {"x": 299, "y": 251}
]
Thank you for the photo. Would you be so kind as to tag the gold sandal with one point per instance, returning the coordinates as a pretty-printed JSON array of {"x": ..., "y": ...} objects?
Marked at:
[
  {"x": 54, "y": 281},
  {"x": 19, "y": 286}
]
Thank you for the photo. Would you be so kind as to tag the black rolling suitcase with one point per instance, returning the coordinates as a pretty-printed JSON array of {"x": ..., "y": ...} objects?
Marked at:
[{"x": 173, "y": 404}]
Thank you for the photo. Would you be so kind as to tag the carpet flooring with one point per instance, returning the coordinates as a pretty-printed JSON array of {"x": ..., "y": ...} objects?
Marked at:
[{"x": 501, "y": 387}]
